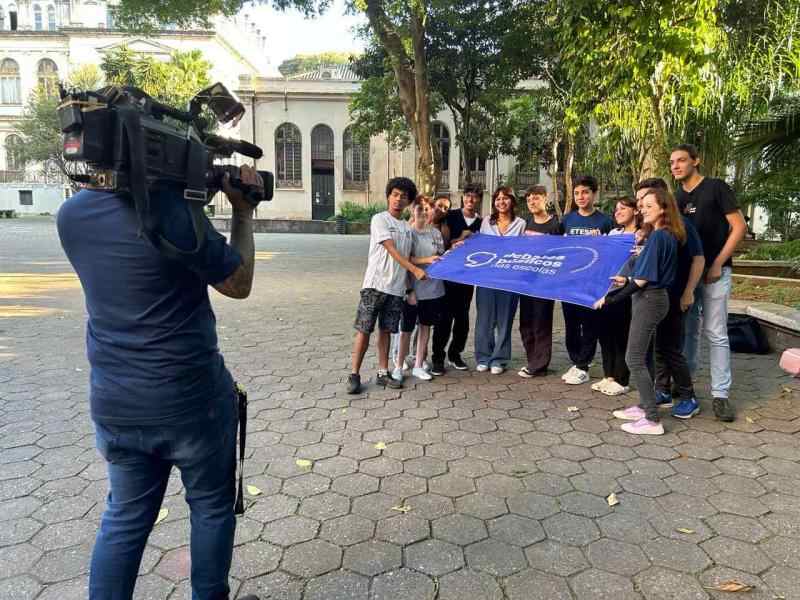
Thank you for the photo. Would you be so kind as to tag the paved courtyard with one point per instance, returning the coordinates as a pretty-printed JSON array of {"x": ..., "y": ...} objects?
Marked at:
[{"x": 469, "y": 487}]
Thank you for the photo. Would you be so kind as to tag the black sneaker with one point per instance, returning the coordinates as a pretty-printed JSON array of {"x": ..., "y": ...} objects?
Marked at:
[
  {"x": 354, "y": 383},
  {"x": 385, "y": 380},
  {"x": 723, "y": 410},
  {"x": 458, "y": 364},
  {"x": 437, "y": 368}
]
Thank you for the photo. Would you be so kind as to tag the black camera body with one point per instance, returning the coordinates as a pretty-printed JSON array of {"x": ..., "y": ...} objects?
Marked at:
[{"x": 118, "y": 131}]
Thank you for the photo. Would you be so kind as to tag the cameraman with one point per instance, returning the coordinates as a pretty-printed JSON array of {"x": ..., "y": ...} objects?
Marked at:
[{"x": 160, "y": 393}]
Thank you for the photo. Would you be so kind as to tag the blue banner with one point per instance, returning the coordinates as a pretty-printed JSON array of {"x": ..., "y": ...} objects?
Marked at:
[{"x": 575, "y": 269}]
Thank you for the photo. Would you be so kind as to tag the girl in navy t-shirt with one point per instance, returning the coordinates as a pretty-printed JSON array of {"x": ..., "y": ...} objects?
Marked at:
[{"x": 653, "y": 273}]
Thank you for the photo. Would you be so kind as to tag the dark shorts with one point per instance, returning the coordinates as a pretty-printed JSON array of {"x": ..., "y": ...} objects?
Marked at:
[
  {"x": 379, "y": 307},
  {"x": 426, "y": 312}
]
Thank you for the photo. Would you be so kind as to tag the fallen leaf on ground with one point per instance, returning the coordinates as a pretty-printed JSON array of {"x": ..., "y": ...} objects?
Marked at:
[
  {"x": 253, "y": 490},
  {"x": 750, "y": 419},
  {"x": 612, "y": 500},
  {"x": 162, "y": 514},
  {"x": 403, "y": 509},
  {"x": 380, "y": 446},
  {"x": 302, "y": 462},
  {"x": 685, "y": 530},
  {"x": 731, "y": 586},
  {"x": 573, "y": 409},
  {"x": 787, "y": 390}
]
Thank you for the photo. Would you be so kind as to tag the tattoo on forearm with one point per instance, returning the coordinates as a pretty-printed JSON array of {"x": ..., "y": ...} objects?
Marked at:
[{"x": 239, "y": 284}]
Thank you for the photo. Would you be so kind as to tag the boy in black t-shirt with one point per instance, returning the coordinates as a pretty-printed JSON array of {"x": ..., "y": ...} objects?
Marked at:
[
  {"x": 461, "y": 222},
  {"x": 711, "y": 207}
]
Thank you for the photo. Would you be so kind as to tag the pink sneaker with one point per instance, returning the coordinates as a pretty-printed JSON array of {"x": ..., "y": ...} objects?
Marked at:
[
  {"x": 643, "y": 427},
  {"x": 632, "y": 413}
]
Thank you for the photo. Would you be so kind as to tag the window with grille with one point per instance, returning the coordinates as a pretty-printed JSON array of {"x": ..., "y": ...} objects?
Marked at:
[
  {"x": 2, "y": 19},
  {"x": 288, "y": 157},
  {"x": 26, "y": 197},
  {"x": 14, "y": 161},
  {"x": 51, "y": 18},
  {"x": 356, "y": 161},
  {"x": 37, "y": 17},
  {"x": 47, "y": 74},
  {"x": 9, "y": 82},
  {"x": 442, "y": 135}
]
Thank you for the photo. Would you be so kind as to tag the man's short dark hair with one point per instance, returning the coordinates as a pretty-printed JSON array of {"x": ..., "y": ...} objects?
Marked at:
[
  {"x": 655, "y": 183},
  {"x": 586, "y": 181},
  {"x": 404, "y": 184},
  {"x": 536, "y": 190},
  {"x": 473, "y": 188},
  {"x": 690, "y": 149}
]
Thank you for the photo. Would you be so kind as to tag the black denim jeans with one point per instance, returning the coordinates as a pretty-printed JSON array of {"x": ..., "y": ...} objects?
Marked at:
[
  {"x": 672, "y": 369},
  {"x": 581, "y": 336},
  {"x": 615, "y": 322},
  {"x": 455, "y": 319},
  {"x": 649, "y": 307}
]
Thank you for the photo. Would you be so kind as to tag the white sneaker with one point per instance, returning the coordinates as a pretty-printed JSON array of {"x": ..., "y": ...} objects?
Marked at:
[
  {"x": 612, "y": 388},
  {"x": 578, "y": 377},
  {"x": 598, "y": 386},
  {"x": 569, "y": 372},
  {"x": 397, "y": 374},
  {"x": 482, "y": 368},
  {"x": 497, "y": 369},
  {"x": 421, "y": 373}
]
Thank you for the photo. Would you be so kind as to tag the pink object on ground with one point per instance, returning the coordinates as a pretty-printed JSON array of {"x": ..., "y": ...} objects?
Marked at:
[
  {"x": 790, "y": 361},
  {"x": 632, "y": 413}
]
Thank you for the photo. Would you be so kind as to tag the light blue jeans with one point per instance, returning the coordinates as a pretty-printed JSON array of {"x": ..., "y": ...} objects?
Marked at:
[
  {"x": 496, "y": 310},
  {"x": 709, "y": 314}
]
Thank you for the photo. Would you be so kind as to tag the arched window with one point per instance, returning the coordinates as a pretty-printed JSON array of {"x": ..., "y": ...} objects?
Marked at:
[
  {"x": 442, "y": 136},
  {"x": 9, "y": 82},
  {"x": 13, "y": 15},
  {"x": 356, "y": 161},
  {"x": 37, "y": 17},
  {"x": 14, "y": 160},
  {"x": 47, "y": 74},
  {"x": 288, "y": 156},
  {"x": 51, "y": 18}
]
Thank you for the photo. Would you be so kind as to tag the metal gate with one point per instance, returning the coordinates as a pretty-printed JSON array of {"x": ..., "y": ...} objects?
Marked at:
[{"x": 323, "y": 188}]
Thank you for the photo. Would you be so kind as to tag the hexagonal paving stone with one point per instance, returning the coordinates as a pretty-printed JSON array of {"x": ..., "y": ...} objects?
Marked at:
[
  {"x": 535, "y": 585},
  {"x": 738, "y": 505},
  {"x": 740, "y": 528},
  {"x": 617, "y": 557},
  {"x": 335, "y": 466},
  {"x": 64, "y": 535},
  {"x": 306, "y": 485},
  {"x": 628, "y": 527},
  {"x": 26, "y": 588},
  {"x": 516, "y": 530},
  {"x": 644, "y": 485},
  {"x": 254, "y": 559},
  {"x": 658, "y": 583},
  {"x": 482, "y": 506},
  {"x": 402, "y": 529},
  {"x": 339, "y": 585},
  {"x": 313, "y": 558},
  {"x": 347, "y": 530},
  {"x": 587, "y": 505},
  {"x": 403, "y": 450},
  {"x": 402, "y": 583},
  {"x": 425, "y": 466},
  {"x": 291, "y": 530},
  {"x": 535, "y": 506},
  {"x": 430, "y": 506},
  {"x": 403, "y": 485},
  {"x": 500, "y": 485},
  {"x": 380, "y": 466},
  {"x": 547, "y": 483},
  {"x": 434, "y": 557},
  {"x": 277, "y": 585},
  {"x": 571, "y": 529},
  {"x": 375, "y": 506},
  {"x": 736, "y": 484},
  {"x": 355, "y": 484},
  {"x": 673, "y": 554},
  {"x": 470, "y": 467},
  {"x": 372, "y": 557},
  {"x": 736, "y": 554},
  {"x": 683, "y": 527},
  {"x": 452, "y": 486},
  {"x": 325, "y": 506},
  {"x": 783, "y": 550},
  {"x": 270, "y": 508},
  {"x": 469, "y": 584},
  {"x": 459, "y": 529},
  {"x": 556, "y": 558},
  {"x": 495, "y": 557},
  {"x": 601, "y": 585}
]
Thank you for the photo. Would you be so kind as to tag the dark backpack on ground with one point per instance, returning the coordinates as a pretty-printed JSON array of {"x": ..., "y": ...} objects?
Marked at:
[{"x": 746, "y": 335}]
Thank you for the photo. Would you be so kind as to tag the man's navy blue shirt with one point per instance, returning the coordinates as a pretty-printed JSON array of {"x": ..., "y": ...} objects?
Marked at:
[
  {"x": 151, "y": 336},
  {"x": 575, "y": 223}
]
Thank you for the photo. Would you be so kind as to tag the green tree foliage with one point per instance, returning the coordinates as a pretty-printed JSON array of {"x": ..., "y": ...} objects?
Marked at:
[{"x": 303, "y": 63}]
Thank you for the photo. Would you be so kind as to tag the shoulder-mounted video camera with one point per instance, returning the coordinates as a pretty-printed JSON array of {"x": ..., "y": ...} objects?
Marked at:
[{"x": 133, "y": 144}]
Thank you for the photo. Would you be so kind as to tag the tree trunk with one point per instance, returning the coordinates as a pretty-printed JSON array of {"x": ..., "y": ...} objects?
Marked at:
[
  {"x": 554, "y": 177},
  {"x": 569, "y": 159},
  {"x": 413, "y": 87}
]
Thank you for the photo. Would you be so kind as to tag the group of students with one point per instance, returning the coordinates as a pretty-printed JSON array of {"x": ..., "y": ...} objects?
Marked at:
[{"x": 648, "y": 325}]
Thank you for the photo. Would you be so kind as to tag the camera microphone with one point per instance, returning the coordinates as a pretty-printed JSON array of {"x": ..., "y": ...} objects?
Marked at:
[{"x": 245, "y": 148}]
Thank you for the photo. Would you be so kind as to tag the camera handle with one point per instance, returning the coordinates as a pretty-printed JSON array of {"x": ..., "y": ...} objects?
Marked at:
[{"x": 132, "y": 132}]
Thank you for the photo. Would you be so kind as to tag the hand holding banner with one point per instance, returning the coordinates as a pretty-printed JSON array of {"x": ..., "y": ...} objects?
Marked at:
[{"x": 575, "y": 269}]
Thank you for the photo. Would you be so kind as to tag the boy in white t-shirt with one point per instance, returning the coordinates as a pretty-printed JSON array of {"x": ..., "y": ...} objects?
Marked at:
[{"x": 390, "y": 243}]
